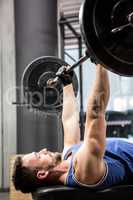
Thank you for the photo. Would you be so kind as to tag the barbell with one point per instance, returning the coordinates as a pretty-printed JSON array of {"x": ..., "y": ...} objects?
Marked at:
[
  {"x": 108, "y": 36},
  {"x": 107, "y": 30}
]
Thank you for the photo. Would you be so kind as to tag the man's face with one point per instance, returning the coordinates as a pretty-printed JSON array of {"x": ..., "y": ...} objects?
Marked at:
[{"x": 43, "y": 159}]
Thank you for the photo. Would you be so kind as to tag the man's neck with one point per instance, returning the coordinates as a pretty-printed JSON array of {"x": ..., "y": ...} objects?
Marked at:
[
  {"x": 64, "y": 167},
  {"x": 59, "y": 173}
]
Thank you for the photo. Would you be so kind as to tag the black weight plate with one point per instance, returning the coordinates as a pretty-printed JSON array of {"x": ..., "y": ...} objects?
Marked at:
[
  {"x": 34, "y": 82},
  {"x": 112, "y": 50}
]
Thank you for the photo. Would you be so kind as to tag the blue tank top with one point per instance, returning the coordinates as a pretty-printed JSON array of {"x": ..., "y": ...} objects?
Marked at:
[{"x": 118, "y": 160}]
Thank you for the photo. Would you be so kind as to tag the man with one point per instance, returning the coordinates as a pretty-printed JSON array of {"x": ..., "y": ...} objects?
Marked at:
[{"x": 94, "y": 163}]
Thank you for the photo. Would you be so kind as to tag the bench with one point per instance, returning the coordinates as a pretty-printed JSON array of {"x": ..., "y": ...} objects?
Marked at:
[{"x": 123, "y": 192}]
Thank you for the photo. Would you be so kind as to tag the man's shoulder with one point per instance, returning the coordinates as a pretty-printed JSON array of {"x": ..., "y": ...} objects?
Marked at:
[{"x": 69, "y": 150}]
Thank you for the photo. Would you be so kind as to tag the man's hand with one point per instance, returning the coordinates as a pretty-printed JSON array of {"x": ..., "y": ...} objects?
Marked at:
[
  {"x": 66, "y": 75},
  {"x": 63, "y": 75},
  {"x": 94, "y": 60}
]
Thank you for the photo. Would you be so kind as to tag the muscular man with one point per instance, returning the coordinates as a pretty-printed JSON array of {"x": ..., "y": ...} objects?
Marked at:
[{"x": 96, "y": 162}]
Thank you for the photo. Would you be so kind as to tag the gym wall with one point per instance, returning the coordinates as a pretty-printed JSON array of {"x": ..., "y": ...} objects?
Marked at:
[
  {"x": 36, "y": 36},
  {"x": 27, "y": 31},
  {"x": 7, "y": 89}
]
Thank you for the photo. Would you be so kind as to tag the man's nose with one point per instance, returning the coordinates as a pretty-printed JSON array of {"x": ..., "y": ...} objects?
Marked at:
[{"x": 43, "y": 151}]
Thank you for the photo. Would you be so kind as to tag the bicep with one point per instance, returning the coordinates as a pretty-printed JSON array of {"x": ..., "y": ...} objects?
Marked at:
[
  {"x": 95, "y": 136},
  {"x": 90, "y": 156}
]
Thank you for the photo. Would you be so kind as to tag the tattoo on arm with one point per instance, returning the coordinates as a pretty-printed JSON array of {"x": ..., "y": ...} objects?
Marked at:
[{"x": 97, "y": 106}]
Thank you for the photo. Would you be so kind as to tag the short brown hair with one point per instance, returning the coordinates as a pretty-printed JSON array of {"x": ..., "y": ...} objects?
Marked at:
[{"x": 25, "y": 179}]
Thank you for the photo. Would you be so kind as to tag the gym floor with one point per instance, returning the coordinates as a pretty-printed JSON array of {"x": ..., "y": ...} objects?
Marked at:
[{"x": 4, "y": 196}]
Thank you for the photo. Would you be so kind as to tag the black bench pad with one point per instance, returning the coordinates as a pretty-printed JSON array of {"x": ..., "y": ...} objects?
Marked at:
[{"x": 123, "y": 192}]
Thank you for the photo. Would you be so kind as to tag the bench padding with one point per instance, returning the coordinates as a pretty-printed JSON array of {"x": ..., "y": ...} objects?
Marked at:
[{"x": 123, "y": 192}]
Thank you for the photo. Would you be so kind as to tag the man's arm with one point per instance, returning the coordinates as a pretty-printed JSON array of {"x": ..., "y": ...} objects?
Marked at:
[
  {"x": 70, "y": 117},
  {"x": 96, "y": 107},
  {"x": 92, "y": 151}
]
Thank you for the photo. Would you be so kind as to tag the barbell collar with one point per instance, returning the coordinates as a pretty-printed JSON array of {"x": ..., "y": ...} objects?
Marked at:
[{"x": 130, "y": 23}]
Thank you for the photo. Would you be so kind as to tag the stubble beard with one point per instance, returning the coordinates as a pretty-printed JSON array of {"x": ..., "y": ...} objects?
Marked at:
[{"x": 57, "y": 157}]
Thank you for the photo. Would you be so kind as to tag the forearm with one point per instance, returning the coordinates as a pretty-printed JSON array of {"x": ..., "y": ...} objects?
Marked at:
[
  {"x": 70, "y": 115},
  {"x": 70, "y": 106},
  {"x": 99, "y": 96}
]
